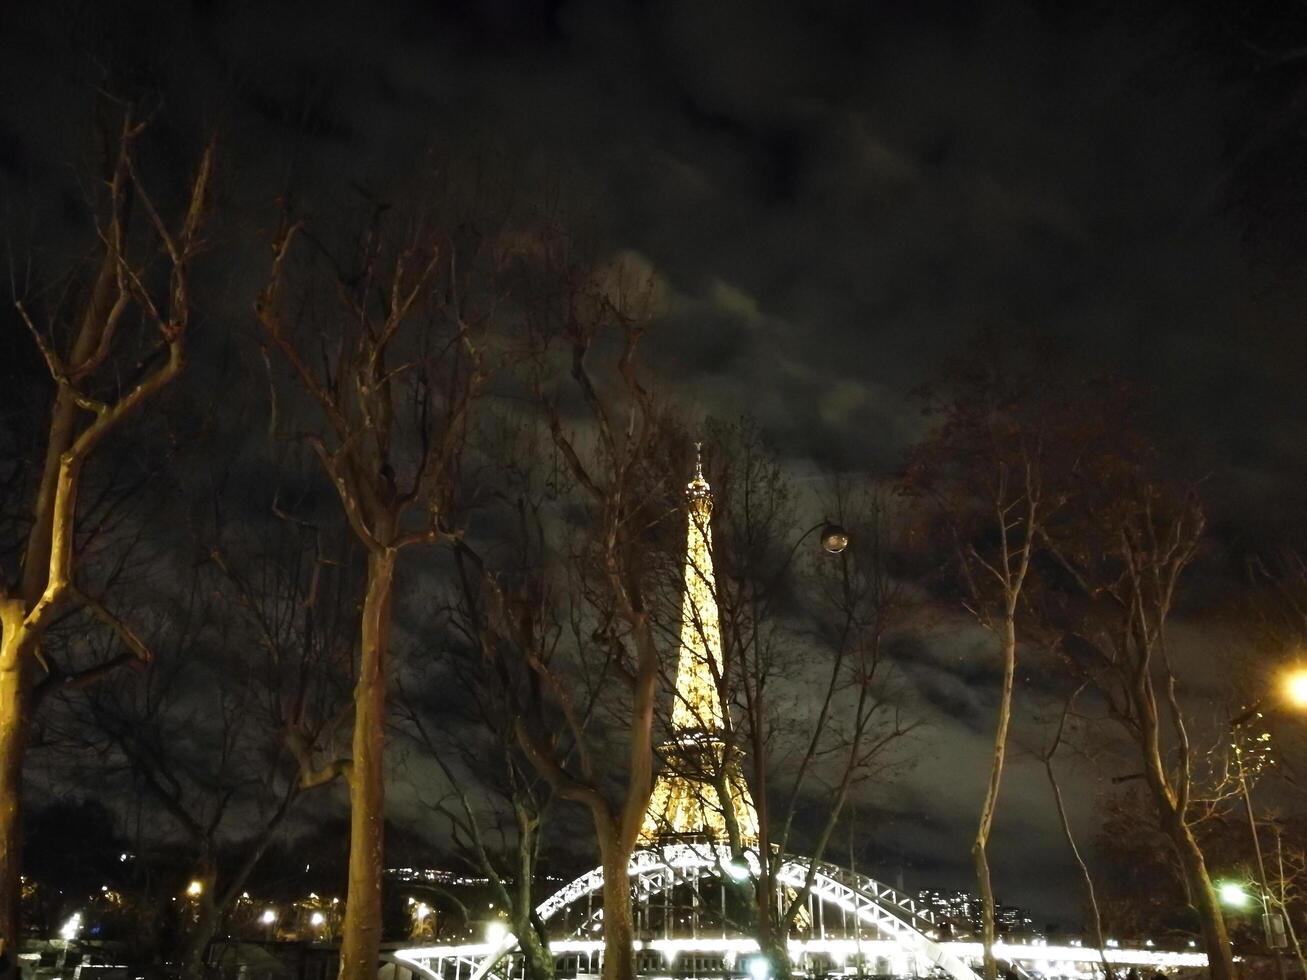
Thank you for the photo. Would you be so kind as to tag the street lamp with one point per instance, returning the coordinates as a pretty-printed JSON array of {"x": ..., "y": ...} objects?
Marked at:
[
  {"x": 1233, "y": 894},
  {"x": 835, "y": 539},
  {"x": 1295, "y": 688},
  {"x": 1294, "y": 692}
]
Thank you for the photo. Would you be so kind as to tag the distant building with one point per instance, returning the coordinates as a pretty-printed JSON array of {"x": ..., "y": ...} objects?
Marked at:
[{"x": 962, "y": 910}]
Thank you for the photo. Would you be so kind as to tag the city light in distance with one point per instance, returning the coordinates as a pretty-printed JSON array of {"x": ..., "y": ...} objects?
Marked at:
[
  {"x": 195, "y": 888},
  {"x": 317, "y": 919},
  {"x": 268, "y": 917}
]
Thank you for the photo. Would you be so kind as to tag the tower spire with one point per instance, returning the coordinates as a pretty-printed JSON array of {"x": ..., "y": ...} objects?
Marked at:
[
  {"x": 698, "y": 707},
  {"x": 685, "y": 800}
]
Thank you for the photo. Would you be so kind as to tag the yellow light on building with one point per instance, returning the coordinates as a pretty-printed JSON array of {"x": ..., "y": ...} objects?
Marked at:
[{"x": 195, "y": 888}]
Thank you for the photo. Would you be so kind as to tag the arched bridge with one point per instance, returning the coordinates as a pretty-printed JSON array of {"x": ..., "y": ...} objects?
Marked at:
[{"x": 676, "y": 891}]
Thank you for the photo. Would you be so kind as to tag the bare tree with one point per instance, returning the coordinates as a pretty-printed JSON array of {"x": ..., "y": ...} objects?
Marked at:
[
  {"x": 985, "y": 468},
  {"x": 1091, "y": 894},
  {"x": 494, "y": 803},
  {"x": 265, "y": 638},
  {"x": 586, "y": 673},
  {"x": 101, "y": 379},
  {"x": 393, "y": 368},
  {"x": 1125, "y": 546},
  {"x": 806, "y": 733}
]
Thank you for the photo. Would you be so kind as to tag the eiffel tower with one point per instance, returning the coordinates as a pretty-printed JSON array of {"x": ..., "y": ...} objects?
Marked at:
[{"x": 685, "y": 804}]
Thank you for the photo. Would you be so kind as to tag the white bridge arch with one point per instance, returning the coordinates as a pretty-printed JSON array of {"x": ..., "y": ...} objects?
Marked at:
[{"x": 868, "y": 920}]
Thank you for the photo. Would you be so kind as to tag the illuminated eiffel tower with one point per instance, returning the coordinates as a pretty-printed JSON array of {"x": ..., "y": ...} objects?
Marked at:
[{"x": 686, "y": 803}]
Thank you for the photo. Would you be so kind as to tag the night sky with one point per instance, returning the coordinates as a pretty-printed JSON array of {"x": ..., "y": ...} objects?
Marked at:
[{"x": 832, "y": 197}]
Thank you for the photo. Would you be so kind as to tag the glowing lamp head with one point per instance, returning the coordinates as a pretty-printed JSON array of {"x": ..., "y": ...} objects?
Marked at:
[
  {"x": 759, "y": 968},
  {"x": 268, "y": 917},
  {"x": 834, "y": 539},
  {"x": 495, "y": 932},
  {"x": 317, "y": 919},
  {"x": 736, "y": 870},
  {"x": 69, "y": 930},
  {"x": 195, "y": 888},
  {"x": 1295, "y": 689},
  {"x": 1232, "y": 893}
]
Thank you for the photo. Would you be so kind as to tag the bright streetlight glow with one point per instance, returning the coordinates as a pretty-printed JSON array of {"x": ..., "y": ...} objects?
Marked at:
[
  {"x": 316, "y": 919},
  {"x": 737, "y": 870},
  {"x": 69, "y": 930},
  {"x": 196, "y": 887},
  {"x": 1295, "y": 688},
  {"x": 759, "y": 968},
  {"x": 1232, "y": 894},
  {"x": 269, "y": 916},
  {"x": 495, "y": 932}
]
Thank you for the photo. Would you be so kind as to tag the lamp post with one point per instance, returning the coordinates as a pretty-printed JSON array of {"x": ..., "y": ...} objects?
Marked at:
[
  {"x": 1272, "y": 924},
  {"x": 1295, "y": 694}
]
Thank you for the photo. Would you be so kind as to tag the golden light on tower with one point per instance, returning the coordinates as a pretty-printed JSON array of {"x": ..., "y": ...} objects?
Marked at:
[{"x": 685, "y": 801}]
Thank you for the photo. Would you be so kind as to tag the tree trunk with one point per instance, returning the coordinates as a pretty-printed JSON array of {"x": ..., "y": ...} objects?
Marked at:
[
  {"x": 619, "y": 928},
  {"x": 13, "y": 746},
  {"x": 980, "y": 849},
  {"x": 1220, "y": 959},
  {"x": 201, "y": 932},
  {"x": 773, "y": 944},
  {"x": 1090, "y": 893},
  {"x": 539, "y": 962},
  {"x": 361, "y": 933}
]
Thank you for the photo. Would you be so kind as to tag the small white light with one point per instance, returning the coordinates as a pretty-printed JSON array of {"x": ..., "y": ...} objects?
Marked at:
[
  {"x": 495, "y": 932},
  {"x": 268, "y": 917},
  {"x": 759, "y": 968},
  {"x": 317, "y": 918}
]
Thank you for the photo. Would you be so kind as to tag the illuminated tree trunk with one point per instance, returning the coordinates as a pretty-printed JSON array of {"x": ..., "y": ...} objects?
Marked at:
[
  {"x": 619, "y": 928},
  {"x": 1193, "y": 865},
  {"x": 13, "y": 745},
  {"x": 1220, "y": 960},
  {"x": 361, "y": 931}
]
